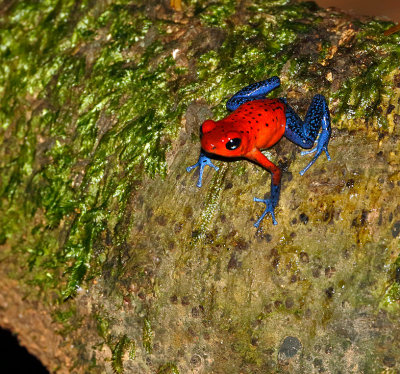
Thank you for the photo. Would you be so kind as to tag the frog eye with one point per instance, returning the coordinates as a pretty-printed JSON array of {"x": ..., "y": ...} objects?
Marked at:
[{"x": 233, "y": 144}]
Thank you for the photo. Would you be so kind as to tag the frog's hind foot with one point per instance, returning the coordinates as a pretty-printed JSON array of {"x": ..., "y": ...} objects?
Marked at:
[
  {"x": 305, "y": 133},
  {"x": 322, "y": 146}
]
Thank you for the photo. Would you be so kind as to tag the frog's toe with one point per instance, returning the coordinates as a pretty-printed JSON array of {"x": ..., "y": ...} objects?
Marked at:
[
  {"x": 190, "y": 168},
  {"x": 327, "y": 153},
  {"x": 209, "y": 163},
  {"x": 303, "y": 153},
  {"x": 318, "y": 151}
]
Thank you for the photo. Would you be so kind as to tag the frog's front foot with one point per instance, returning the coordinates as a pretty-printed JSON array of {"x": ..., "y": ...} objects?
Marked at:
[
  {"x": 270, "y": 203},
  {"x": 269, "y": 209},
  {"x": 322, "y": 146},
  {"x": 201, "y": 163}
]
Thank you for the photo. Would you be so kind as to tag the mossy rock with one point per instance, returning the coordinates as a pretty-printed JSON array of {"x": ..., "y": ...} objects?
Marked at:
[{"x": 103, "y": 232}]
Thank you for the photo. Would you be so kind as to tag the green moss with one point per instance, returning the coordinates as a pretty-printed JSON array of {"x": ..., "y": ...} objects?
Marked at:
[
  {"x": 63, "y": 316},
  {"x": 393, "y": 294},
  {"x": 102, "y": 325},
  {"x": 123, "y": 345},
  {"x": 132, "y": 350},
  {"x": 91, "y": 99},
  {"x": 391, "y": 299},
  {"x": 362, "y": 95},
  {"x": 90, "y": 170},
  {"x": 66, "y": 316},
  {"x": 216, "y": 14},
  {"x": 168, "y": 368},
  {"x": 211, "y": 205},
  {"x": 147, "y": 336}
]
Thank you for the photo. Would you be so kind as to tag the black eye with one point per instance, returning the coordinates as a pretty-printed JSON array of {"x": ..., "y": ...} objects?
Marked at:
[{"x": 233, "y": 144}]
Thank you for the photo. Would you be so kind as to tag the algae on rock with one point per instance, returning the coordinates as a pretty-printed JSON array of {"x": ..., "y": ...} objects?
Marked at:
[{"x": 101, "y": 226}]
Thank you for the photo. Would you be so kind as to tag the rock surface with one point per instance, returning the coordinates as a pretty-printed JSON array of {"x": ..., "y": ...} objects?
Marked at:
[{"x": 112, "y": 260}]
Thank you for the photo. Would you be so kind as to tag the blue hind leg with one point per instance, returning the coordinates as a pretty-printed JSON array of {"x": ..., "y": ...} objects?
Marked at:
[
  {"x": 305, "y": 133},
  {"x": 253, "y": 92}
]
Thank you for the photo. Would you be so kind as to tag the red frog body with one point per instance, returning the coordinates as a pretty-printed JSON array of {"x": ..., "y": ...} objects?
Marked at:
[{"x": 258, "y": 123}]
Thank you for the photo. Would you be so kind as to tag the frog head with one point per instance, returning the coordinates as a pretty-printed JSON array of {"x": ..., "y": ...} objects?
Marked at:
[{"x": 222, "y": 139}]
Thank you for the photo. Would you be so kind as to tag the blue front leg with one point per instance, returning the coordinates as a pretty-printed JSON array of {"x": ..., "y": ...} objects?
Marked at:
[
  {"x": 252, "y": 92},
  {"x": 270, "y": 203},
  {"x": 305, "y": 133},
  {"x": 276, "y": 174},
  {"x": 201, "y": 163}
]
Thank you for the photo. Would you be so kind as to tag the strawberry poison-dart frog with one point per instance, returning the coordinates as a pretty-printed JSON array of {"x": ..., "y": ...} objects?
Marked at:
[{"x": 257, "y": 123}]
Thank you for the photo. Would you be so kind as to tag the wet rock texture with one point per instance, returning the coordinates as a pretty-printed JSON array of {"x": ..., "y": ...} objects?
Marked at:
[{"x": 105, "y": 237}]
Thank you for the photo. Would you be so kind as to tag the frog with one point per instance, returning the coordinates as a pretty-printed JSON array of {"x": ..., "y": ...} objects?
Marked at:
[{"x": 257, "y": 123}]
